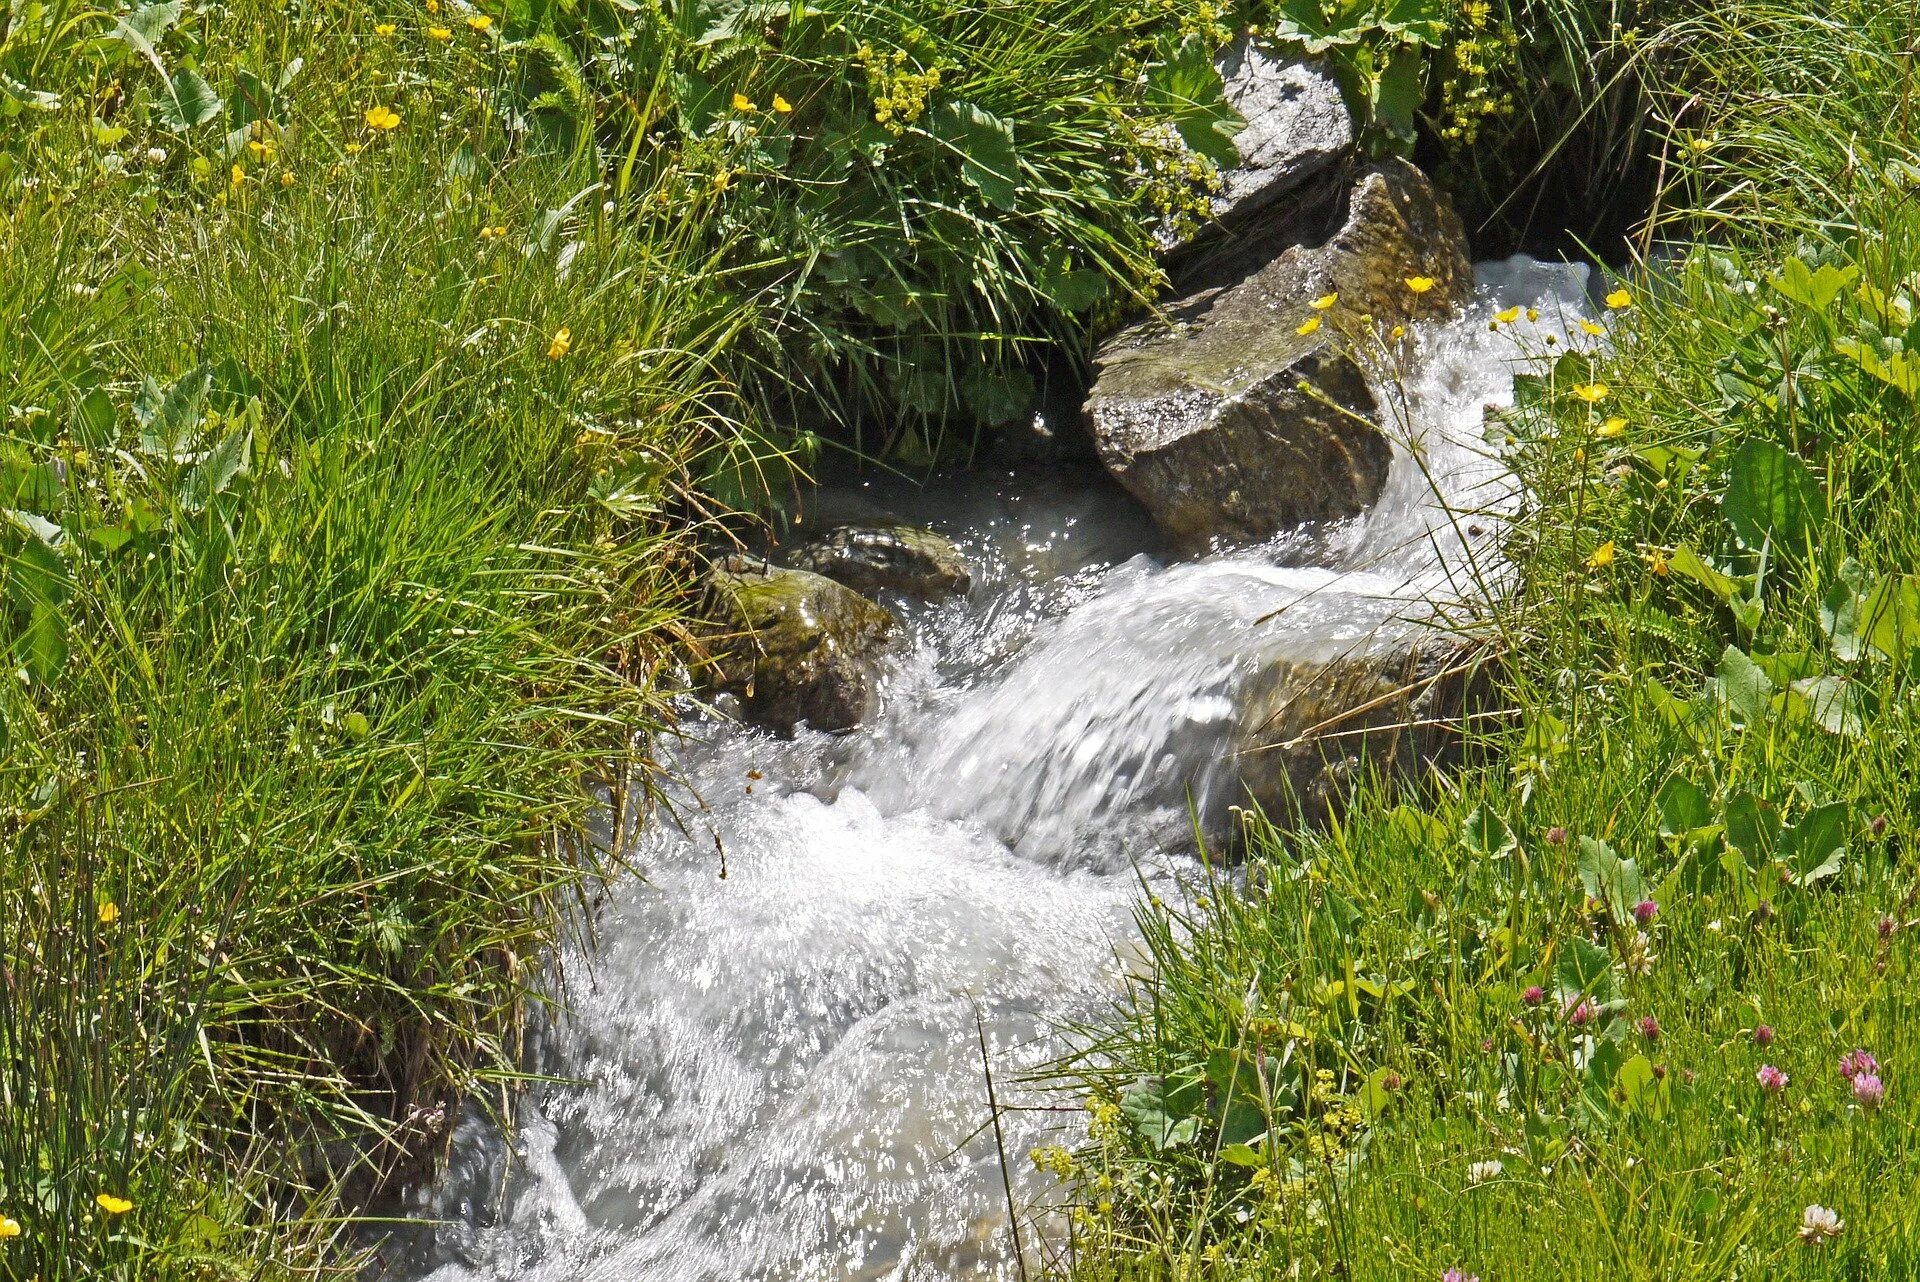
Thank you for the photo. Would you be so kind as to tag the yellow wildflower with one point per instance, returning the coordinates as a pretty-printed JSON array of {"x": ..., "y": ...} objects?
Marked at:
[
  {"x": 9, "y": 1227},
  {"x": 1591, "y": 393},
  {"x": 1509, "y": 316},
  {"x": 1619, "y": 298},
  {"x": 384, "y": 28},
  {"x": 1701, "y": 145},
  {"x": 113, "y": 1205},
  {"x": 722, "y": 179},
  {"x": 109, "y": 912},
  {"x": 781, "y": 105},
  {"x": 239, "y": 175},
  {"x": 479, "y": 21},
  {"x": 1323, "y": 302},
  {"x": 1588, "y": 327},
  {"x": 354, "y": 148},
  {"x": 379, "y": 117},
  {"x": 561, "y": 344},
  {"x": 261, "y": 147},
  {"x": 286, "y": 177},
  {"x": 440, "y": 33},
  {"x": 742, "y": 103},
  {"x": 1611, "y": 428},
  {"x": 1308, "y": 326},
  {"x": 1421, "y": 284},
  {"x": 1657, "y": 562},
  {"x": 1399, "y": 331},
  {"x": 1533, "y": 314},
  {"x": 1602, "y": 556}
]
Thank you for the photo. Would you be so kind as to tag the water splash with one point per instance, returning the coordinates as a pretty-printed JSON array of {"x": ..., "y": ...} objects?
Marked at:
[{"x": 777, "y": 1075}]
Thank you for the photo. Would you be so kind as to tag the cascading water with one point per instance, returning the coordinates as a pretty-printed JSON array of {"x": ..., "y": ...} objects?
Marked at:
[{"x": 777, "y": 1075}]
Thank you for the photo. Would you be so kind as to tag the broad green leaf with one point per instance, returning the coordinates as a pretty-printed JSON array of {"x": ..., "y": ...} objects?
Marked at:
[
  {"x": 189, "y": 101},
  {"x": 1414, "y": 829},
  {"x": 1815, "y": 846},
  {"x": 1188, "y": 88},
  {"x": 1810, "y": 287},
  {"x": 1830, "y": 702},
  {"x": 1753, "y": 826},
  {"x": 214, "y": 473},
  {"x": 1685, "y": 561},
  {"x": 984, "y": 142},
  {"x": 1743, "y": 687},
  {"x": 1684, "y": 806},
  {"x": 1772, "y": 496},
  {"x": 1613, "y": 881},
  {"x": 1486, "y": 834},
  {"x": 1074, "y": 291},
  {"x": 1897, "y": 370},
  {"x": 1584, "y": 969}
]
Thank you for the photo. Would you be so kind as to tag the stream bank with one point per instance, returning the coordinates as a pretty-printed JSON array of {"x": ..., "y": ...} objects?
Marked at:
[{"x": 776, "y": 1073}]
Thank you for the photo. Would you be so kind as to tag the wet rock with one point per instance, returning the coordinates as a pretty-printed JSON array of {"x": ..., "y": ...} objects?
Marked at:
[
  {"x": 801, "y": 647},
  {"x": 1297, "y": 126},
  {"x": 1221, "y": 417},
  {"x": 886, "y": 558},
  {"x": 1307, "y": 729}
]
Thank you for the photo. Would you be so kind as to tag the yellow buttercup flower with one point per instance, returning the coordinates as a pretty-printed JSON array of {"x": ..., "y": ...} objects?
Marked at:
[
  {"x": 286, "y": 177},
  {"x": 384, "y": 28},
  {"x": 1533, "y": 314},
  {"x": 238, "y": 176},
  {"x": 1421, "y": 284},
  {"x": 781, "y": 105},
  {"x": 1658, "y": 563},
  {"x": 1602, "y": 556},
  {"x": 1308, "y": 326},
  {"x": 742, "y": 103},
  {"x": 1323, "y": 302},
  {"x": 1619, "y": 299},
  {"x": 379, "y": 117},
  {"x": 354, "y": 148},
  {"x": 1611, "y": 428},
  {"x": 9, "y": 1227},
  {"x": 261, "y": 147},
  {"x": 109, "y": 912},
  {"x": 1509, "y": 316},
  {"x": 440, "y": 33},
  {"x": 1591, "y": 393},
  {"x": 1399, "y": 331},
  {"x": 1588, "y": 327},
  {"x": 479, "y": 22},
  {"x": 113, "y": 1205},
  {"x": 1701, "y": 145},
  {"x": 562, "y": 343}
]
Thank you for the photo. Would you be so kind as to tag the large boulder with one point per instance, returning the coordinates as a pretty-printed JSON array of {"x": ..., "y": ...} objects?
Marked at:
[
  {"x": 1225, "y": 420},
  {"x": 886, "y": 558},
  {"x": 1307, "y": 728},
  {"x": 1297, "y": 126},
  {"x": 798, "y": 647}
]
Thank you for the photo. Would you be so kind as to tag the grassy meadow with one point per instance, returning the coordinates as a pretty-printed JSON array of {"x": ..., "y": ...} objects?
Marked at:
[
  {"x": 373, "y": 374},
  {"x": 1631, "y": 999}
]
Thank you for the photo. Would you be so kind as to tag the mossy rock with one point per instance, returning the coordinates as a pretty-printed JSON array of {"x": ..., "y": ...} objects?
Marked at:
[
  {"x": 799, "y": 648},
  {"x": 886, "y": 558},
  {"x": 1309, "y": 728}
]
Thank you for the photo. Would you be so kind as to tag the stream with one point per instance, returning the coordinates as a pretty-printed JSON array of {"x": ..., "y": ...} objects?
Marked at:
[{"x": 777, "y": 1076}]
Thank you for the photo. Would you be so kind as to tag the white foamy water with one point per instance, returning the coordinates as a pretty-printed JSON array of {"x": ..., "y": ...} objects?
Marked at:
[{"x": 776, "y": 1076}]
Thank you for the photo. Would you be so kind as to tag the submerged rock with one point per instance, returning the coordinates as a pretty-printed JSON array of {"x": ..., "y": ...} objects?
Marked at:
[
  {"x": 1297, "y": 126},
  {"x": 803, "y": 648},
  {"x": 1224, "y": 419},
  {"x": 1307, "y": 728},
  {"x": 886, "y": 558}
]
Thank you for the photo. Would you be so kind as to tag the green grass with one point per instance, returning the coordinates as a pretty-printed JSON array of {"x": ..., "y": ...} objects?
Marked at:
[{"x": 1712, "y": 671}]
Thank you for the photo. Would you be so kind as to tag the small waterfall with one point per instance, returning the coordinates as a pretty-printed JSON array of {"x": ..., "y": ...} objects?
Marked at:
[{"x": 775, "y": 1076}]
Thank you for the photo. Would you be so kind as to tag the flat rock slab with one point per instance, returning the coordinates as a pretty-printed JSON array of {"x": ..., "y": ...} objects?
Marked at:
[
  {"x": 800, "y": 649},
  {"x": 1297, "y": 126},
  {"x": 1222, "y": 418}
]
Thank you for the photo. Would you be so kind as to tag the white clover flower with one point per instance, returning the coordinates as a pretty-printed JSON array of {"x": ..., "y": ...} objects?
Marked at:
[
  {"x": 1481, "y": 1172},
  {"x": 1820, "y": 1224}
]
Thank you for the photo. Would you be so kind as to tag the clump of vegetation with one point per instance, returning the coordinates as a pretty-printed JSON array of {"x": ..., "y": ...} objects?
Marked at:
[{"x": 1630, "y": 997}]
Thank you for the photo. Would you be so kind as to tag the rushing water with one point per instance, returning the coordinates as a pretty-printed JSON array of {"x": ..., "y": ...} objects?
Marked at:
[{"x": 777, "y": 1074}]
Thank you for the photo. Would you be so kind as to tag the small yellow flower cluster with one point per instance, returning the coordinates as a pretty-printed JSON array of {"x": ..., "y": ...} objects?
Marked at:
[
  {"x": 494, "y": 232},
  {"x": 1053, "y": 1159},
  {"x": 562, "y": 343},
  {"x": 899, "y": 94}
]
